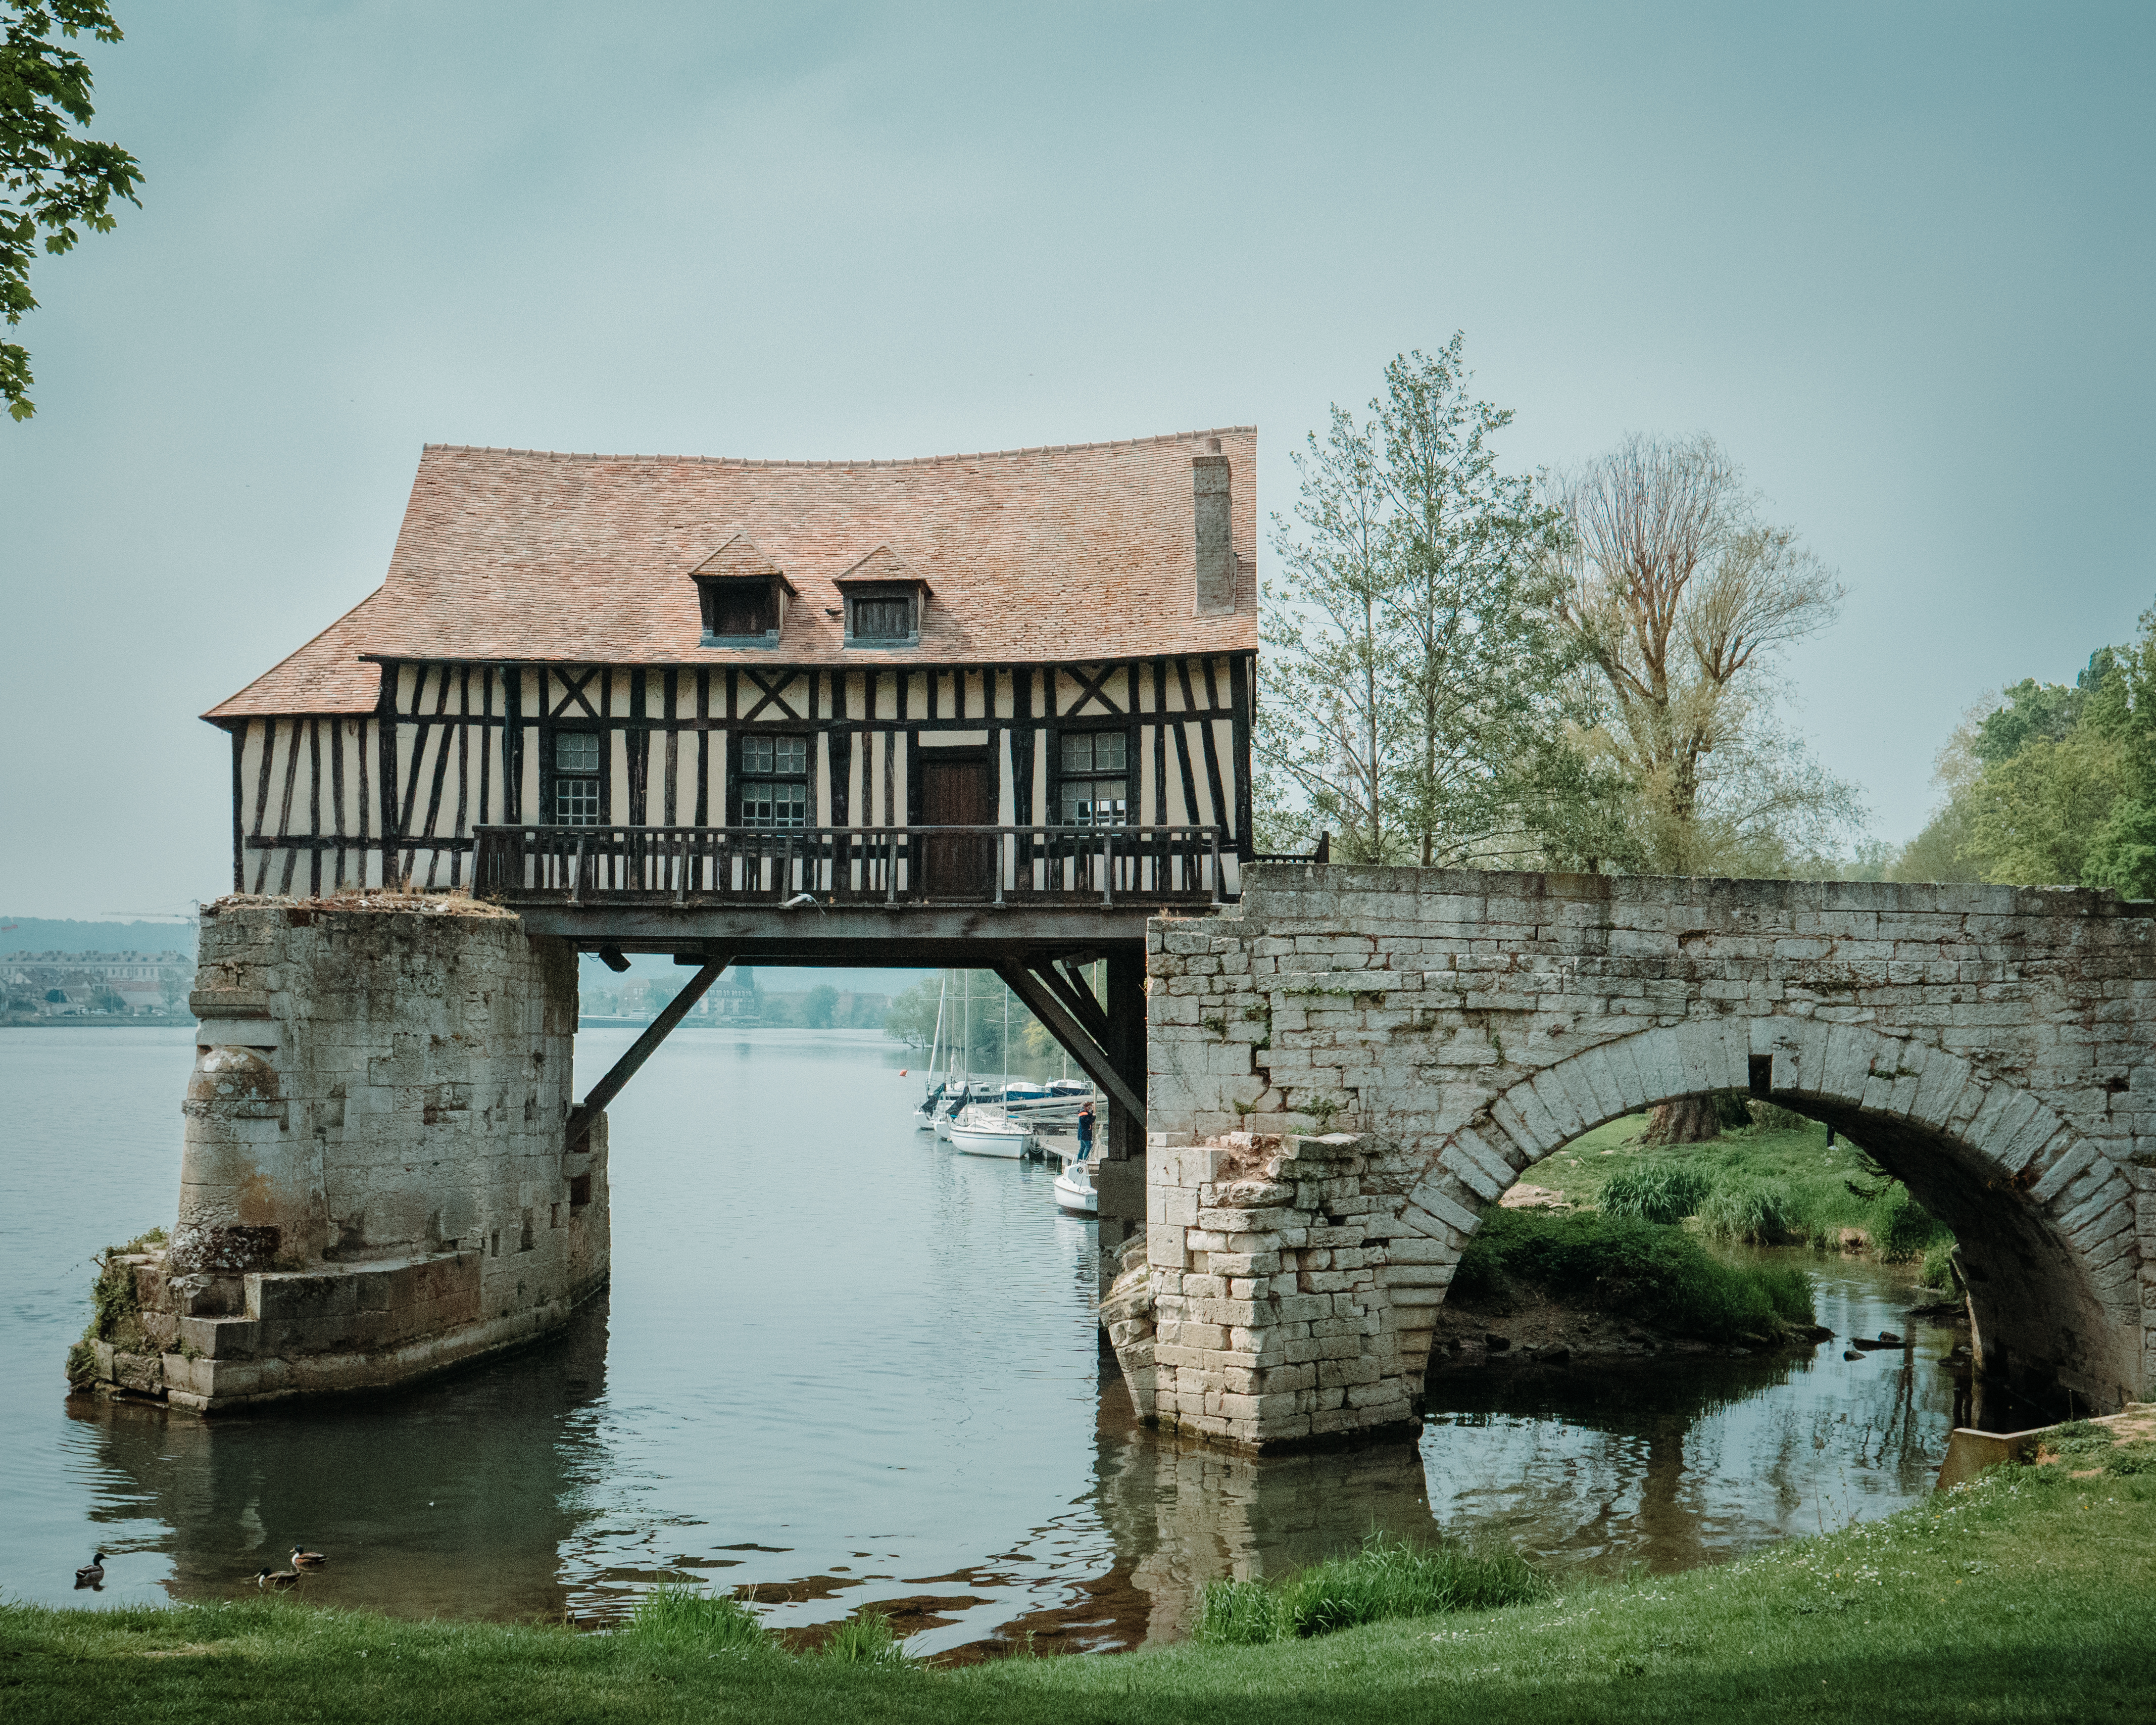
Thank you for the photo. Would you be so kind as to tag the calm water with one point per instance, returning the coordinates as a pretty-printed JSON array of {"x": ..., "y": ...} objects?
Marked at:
[{"x": 845, "y": 1365}]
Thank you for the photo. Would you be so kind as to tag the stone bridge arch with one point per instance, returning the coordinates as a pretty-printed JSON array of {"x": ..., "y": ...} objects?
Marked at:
[
  {"x": 2046, "y": 1219},
  {"x": 1996, "y": 1047}
]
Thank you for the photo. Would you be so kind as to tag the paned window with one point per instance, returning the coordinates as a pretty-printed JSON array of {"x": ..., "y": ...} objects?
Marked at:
[
  {"x": 781, "y": 755},
  {"x": 774, "y": 787},
  {"x": 576, "y": 778},
  {"x": 1095, "y": 779}
]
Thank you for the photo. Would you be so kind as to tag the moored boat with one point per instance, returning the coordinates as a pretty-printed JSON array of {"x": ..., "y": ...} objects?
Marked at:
[
  {"x": 1075, "y": 1192},
  {"x": 979, "y": 1130}
]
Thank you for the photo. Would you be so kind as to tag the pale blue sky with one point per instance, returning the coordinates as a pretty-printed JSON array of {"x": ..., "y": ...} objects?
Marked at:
[{"x": 1897, "y": 258}]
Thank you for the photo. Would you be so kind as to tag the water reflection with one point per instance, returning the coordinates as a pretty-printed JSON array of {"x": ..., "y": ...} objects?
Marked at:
[
  {"x": 1181, "y": 1515},
  {"x": 1677, "y": 1461},
  {"x": 460, "y": 1498},
  {"x": 841, "y": 1365}
]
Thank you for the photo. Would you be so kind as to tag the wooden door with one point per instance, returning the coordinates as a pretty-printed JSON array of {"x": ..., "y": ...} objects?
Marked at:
[{"x": 959, "y": 793}]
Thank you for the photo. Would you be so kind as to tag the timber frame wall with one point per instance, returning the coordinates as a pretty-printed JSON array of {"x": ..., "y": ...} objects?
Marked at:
[{"x": 324, "y": 802}]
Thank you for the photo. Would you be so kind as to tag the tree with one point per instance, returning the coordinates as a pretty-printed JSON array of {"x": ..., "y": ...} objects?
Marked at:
[
  {"x": 1414, "y": 652},
  {"x": 821, "y": 1004},
  {"x": 1681, "y": 599},
  {"x": 911, "y": 1018},
  {"x": 2051, "y": 783},
  {"x": 2034, "y": 817},
  {"x": 1326, "y": 739},
  {"x": 52, "y": 181}
]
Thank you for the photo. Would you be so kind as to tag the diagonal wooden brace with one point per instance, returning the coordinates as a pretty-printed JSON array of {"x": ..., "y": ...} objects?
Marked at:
[
  {"x": 640, "y": 1051},
  {"x": 1073, "y": 992},
  {"x": 1065, "y": 1028}
]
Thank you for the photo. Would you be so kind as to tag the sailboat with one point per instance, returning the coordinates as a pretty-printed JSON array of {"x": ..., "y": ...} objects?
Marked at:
[{"x": 984, "y": 1128}]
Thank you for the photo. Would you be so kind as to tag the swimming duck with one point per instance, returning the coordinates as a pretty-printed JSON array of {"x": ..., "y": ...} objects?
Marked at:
[
  {"x": 92, "y": 1574},
  {"x": 308, "y": 1559},
  {"x": 280, "y": 1578}
]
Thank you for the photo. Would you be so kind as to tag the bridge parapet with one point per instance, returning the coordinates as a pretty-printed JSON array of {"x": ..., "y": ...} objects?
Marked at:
[{"x": 1996, "y": 1047}]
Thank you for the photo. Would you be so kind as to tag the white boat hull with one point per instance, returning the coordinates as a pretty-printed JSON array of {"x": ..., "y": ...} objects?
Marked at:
[
  {"x": 989, "y": 1141},
  {"x": 1076, "y": 1197}
]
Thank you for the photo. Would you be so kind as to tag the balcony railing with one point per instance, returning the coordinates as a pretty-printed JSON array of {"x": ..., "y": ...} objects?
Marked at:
[{"x": 856, "y": 866}]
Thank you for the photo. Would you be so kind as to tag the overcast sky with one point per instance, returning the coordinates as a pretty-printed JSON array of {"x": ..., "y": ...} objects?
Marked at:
[{"x": 1897, "y": 258}]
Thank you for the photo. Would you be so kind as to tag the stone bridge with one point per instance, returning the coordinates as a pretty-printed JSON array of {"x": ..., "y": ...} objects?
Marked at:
[{"x": 1991, "y": 1046}]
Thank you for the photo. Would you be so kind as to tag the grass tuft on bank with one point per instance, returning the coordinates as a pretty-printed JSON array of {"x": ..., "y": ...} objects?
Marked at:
[
  {"x": 1654, "y": 1273},
  {"x": 1775, "y": 1182},
  {"x": 2019, "y": 1599},
  {"x": 1387, "y": 1579}
]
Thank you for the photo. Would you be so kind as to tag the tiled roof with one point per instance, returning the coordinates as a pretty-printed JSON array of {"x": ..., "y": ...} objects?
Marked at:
[{"x": 1076, "y": 551}]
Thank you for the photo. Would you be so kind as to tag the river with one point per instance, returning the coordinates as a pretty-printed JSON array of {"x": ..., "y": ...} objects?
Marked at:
[{"x": 844, "y": 1365}]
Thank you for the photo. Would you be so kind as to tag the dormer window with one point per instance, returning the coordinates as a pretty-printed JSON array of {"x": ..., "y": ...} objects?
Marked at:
[
  {"x": 884, "y": 600},
  {"x": 742, "y": 596}
]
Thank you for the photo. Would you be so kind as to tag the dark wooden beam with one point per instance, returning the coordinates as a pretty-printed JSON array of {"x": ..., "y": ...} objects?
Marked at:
[
  {"x": 1091, "y": 1058},
  {"x": 640, "y": 1051},
  {"x": 238, "y": 817},
  {"x": 1075, "y": 995},
  {"x": 1241, "y": 673}
]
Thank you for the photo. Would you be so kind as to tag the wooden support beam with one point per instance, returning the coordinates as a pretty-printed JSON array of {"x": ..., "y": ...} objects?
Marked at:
[
  {"x": 1075, "y": 995},
  {"x": 1091, "y": 1058},
  {"x": 640, "y": 1051}
]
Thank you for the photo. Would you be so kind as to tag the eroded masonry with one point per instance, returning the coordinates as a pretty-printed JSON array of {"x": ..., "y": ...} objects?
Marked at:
[{"x": 377, "y": 1183}]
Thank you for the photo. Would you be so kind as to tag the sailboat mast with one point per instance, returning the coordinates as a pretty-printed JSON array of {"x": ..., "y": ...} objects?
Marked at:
[{"x": 936, "y": 1042}]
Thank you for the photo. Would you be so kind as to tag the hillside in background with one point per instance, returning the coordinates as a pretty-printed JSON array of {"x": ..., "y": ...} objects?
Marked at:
[{"x": 44, "y": 934}]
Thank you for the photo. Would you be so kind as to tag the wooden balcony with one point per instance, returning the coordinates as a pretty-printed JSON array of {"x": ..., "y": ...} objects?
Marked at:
[{"x": 1123, "y": 868}]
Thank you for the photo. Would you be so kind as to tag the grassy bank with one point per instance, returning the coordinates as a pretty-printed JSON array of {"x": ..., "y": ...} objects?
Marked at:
[
  {"x": 2022, "y": 1596},
  {"x": 1650, "y": 1273},
  {"x": 1775, "y": 1182}
]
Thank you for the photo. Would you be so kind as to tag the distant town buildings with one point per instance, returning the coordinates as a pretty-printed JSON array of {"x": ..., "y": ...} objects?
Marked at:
[{"x": 49, "y": 985}]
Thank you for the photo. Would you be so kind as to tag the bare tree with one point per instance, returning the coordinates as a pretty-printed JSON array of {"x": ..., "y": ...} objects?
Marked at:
[{"x": 1681, "y": 599}]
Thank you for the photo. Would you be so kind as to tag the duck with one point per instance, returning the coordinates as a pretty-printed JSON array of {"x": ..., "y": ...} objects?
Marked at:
[
  {"x": 92, "y": 1574},
  {"x": 308, "y": 1559},
  {"x": 278, "y": 1579}
]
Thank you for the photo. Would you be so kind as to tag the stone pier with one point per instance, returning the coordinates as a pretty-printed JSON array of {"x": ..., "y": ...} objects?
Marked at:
[{"x": 374, "y": 1186}]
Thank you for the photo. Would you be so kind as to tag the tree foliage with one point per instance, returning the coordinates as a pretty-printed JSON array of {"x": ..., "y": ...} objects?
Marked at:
[
  {"x": 2052, "y": 783},
  {"x": 52, "y": 181},
  {"x": 1415, "y": 657}
]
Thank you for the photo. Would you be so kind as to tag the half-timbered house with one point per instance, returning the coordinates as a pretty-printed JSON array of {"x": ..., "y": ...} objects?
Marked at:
[
  {"x": 1020, "y": 677},
  {"x": 989, "y": 710}
]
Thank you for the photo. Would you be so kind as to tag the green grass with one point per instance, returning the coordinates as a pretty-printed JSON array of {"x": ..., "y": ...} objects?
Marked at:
[
  {"x": 677, "y": 1620},
  {"x": 1774, "y": 1184},
  {"x": 1656, "y": 1191},
  {"x": 1387, "y": 1579},
  {"x": 1649, "y": 1271},
  {"x": 2022, "y": 1598}
]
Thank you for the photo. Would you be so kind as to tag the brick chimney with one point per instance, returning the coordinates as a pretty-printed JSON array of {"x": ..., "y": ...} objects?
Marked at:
[{"x": 1216, "y": 551}]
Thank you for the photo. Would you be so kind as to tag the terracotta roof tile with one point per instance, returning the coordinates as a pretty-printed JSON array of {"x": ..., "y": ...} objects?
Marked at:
[{"x": 1076, "y": 551}]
